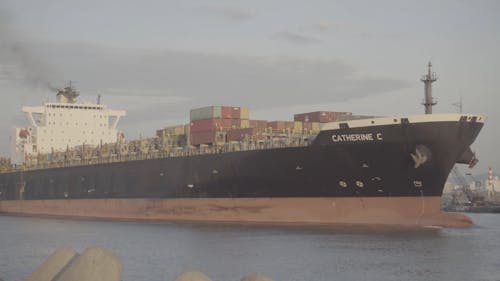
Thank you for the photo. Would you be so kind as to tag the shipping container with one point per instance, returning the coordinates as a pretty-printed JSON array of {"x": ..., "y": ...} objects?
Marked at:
[
  {"x": 245, "y": 134},
  {"x": 171, "y": 131},
  {"x": 311, "y": 127},
  {"x": 203, "y": 125},
  {"x": 354, "y": 117},
  {"x": 230, "y": 112},
  {"x": 316, "y": 127},
  {"x": 319, "y": 116},
  {"x": 207, "y": 137},
  {"x": 297, "y": 127},
  {"x": 208, "y": 112},
  {"x": 218, "y": 124},
  {"x": 260, "y": 124},
  {"x": 244, "y": 113},
  {"x": 281, "y": 126},
  {"x": 174, "y": 141},
  {"x": 244, "y": 123}
]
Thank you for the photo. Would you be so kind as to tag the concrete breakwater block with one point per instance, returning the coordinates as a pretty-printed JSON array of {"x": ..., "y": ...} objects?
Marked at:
[
  {"x": 192, "y": 276},
  {"x": 256, "y": 277},
  {"x": 66, "y": 264},
  {"x": 53, "y": 265},
  {"x": 95, "y": 264}
]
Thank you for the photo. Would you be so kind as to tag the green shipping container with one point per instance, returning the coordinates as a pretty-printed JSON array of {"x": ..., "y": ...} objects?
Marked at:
[{"x": 208, "y": 112}]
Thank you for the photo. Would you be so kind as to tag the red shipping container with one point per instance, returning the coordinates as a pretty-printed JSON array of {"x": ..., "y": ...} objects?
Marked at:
[
  {"x": 203, "y": 125},
  {"x": 260, "y": 124},
  {"x": 207, "y": 137},
  {"x": 230, "y": 124},
  {"x": 231, "y": 112}
]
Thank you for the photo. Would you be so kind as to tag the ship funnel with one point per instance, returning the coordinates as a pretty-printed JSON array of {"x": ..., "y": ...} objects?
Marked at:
[
  {"x": 67, "y": 94},
  {"x": 428, "y": 79}
]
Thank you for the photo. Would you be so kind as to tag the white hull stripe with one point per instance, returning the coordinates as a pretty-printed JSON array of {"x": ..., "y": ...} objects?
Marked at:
[{"x": 425, "y": 118}]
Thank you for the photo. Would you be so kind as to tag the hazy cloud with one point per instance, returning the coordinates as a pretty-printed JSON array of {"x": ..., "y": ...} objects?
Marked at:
[
  {"x": 295, "y": 38},
  {"x": 229, "y": 13},
  {"x": 17, "y": 61},
  {"x": 205, "y": 78}
]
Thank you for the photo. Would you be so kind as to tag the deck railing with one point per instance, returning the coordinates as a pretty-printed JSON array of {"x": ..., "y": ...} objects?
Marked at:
[{"x": 284, "y": 142}]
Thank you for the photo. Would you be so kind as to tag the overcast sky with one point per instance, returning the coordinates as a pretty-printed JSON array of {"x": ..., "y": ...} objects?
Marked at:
[{"x": 158, "y": 59}]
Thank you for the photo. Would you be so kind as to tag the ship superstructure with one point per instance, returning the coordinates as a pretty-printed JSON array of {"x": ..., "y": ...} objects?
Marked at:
[{"x": 64, "y": 124}]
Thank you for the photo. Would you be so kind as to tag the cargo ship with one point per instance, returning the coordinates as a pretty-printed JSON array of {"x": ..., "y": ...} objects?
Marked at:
[{"x": 321, "y": 168}]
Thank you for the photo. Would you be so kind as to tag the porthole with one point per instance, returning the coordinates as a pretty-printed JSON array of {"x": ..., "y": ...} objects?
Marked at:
[
  {"x": 343, "y": 184},
  {"x": 360, "y": 184}
]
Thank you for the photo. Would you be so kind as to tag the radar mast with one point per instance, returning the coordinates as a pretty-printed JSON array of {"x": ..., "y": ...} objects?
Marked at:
[{"x": 428, "y": 79}]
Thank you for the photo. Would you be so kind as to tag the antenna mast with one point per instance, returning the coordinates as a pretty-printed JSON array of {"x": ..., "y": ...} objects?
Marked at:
[{"x": 428, "y": 79}]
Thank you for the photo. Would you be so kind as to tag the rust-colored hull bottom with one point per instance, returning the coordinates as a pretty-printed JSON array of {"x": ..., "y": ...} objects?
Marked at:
[{"x": 403, "y": 211}]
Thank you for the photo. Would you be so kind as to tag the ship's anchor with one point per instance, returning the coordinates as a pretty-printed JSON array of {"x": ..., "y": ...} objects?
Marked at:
[{"x": 421, "y": 156}]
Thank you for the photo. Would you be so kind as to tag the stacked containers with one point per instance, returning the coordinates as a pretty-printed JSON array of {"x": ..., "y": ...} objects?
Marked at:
[
  {"x": 297, "y": 127},
  {"x": 215, "y": 124},
  {"x": 244, "y": 117},
  {"x": 173, "y": 136},
  {"x": 202, "y": 127},
  {"x": 311, "y": 127},
  {"x": 259, "y": 124},
  {"x": 171, "y": 131},
  {"x": 208, "y": 112},
  {"x": 281, "y": 126},
  {"x": 311, "y": 120},
  {"x": 207, "y": 123},
  {"x": 244, "y": 113},
  {"x": 245, "y": 134},
  {"x": 319, "y": 116},
  {"x": 229, "y": 112}
]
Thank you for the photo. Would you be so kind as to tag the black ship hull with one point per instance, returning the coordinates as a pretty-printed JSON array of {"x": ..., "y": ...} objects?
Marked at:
[{"x": 396, "y": 159}]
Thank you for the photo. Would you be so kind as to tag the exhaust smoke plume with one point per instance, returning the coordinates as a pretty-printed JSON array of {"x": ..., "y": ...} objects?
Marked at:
[{"x": 18, "y": 62}]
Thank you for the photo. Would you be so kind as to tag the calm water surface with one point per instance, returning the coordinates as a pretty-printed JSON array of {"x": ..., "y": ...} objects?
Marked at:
[{"x": 161, "y": 251}]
